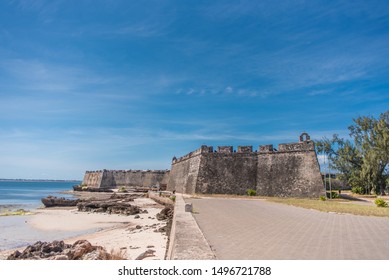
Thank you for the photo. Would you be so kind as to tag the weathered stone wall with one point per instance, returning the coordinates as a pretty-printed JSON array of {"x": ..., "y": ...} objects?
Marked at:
[
  {"x": 184, "y": 172},
  {"x": 290, "y": 170},
  {"x": 92, "y": 179},
  {"x": 293, "y": 171},
  {"x": 109, "y": 179},
  {"x": 227, "y": 172}
]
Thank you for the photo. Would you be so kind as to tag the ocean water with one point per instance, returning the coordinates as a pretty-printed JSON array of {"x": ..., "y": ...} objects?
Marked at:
[
  {"x": 27, "y": 194},
  {"x": 15, "y": 230}
]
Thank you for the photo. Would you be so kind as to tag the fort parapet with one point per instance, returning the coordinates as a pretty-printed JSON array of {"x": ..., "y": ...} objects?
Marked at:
[{"x": 290, "y": 170}]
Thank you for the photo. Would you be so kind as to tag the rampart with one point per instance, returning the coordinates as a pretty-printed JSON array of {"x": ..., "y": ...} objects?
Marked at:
[
  {"x": 290, "y": 170},
  {"x": 110, "y": 179}
]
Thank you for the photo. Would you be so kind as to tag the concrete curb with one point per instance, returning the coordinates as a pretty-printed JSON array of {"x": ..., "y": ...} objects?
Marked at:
[{"x": 187, "y": 242}]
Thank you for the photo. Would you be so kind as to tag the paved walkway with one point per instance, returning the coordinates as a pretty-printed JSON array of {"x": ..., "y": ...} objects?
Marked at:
[{"x": 255, "y": 229}]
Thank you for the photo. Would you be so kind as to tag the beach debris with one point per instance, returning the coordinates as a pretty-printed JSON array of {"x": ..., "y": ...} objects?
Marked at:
[
  {"x": 58, "y": 250},
  {"x": 53, "y": 201}
]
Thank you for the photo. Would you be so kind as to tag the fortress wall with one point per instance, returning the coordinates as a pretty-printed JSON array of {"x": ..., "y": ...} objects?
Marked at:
[
  {"x": 110, "y": 179},
  {"x": 92, "y": 179},
  {"x": 292, "y": 171},
  {"x": 183, "y": 174},
  {"x": 227, "y": 172}
]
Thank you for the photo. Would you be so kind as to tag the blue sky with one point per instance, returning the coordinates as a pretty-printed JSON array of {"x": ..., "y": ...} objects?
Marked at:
[{"x": 87, "y": 85}]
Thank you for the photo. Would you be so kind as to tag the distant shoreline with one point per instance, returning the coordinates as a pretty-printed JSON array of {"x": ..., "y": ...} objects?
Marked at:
[{"x": 37, "y": 180}]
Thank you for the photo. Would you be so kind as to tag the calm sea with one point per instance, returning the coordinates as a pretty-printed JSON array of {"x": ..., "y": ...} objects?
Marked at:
[
  {"x": 27, "y": 195},
  {"x": 15, "y": 231}
]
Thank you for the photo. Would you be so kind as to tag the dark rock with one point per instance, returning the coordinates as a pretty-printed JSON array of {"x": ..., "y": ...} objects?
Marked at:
[
  {"x": 53, "y": 201},
  {"x": 162, "y": 229},
  {"x": 79, "y": 188},
  {"x": 137, "y": 217},
  {"x": 166, "y": 213},
  {"x": 58, "y": 250},
  {"x": 108, "y": 206},
  {"x": 124, "y": 198},
  {"x": 148, "y": 253}
]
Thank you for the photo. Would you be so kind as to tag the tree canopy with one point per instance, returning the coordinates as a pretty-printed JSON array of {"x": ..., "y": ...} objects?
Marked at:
[{"x": 362, "y": 161}]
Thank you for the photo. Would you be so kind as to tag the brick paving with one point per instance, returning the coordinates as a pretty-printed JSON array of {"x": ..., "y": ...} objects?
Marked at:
[{"x": 256, "y": 229}]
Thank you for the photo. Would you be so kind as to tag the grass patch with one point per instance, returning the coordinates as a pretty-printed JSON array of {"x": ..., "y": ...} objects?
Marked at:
[
  {"x": 19, "y": 212},
  {"x": 337, "y": 206},
  {"x": 251, "y": 192},
  {"x": 380, "y": 202}
]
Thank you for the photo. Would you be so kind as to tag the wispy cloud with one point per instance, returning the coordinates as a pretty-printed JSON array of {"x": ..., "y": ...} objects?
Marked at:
[
  {"x": 35, "y": 75},
  {"x": 227, "y": 91}
]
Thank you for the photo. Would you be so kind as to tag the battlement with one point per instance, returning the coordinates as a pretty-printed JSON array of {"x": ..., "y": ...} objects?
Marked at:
[
  {"x": 305, "y": 144},
  {"x": 202, "y": 150},
  {"x": 225, "y": 149},
  {"x": 245, "y": 149},
  {"x": 296, "y": 147},
  {"x": 265, "y": 149}
]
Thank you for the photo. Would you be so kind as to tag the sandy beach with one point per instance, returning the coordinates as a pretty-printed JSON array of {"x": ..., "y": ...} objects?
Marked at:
[{"x": 127, "y": 236}]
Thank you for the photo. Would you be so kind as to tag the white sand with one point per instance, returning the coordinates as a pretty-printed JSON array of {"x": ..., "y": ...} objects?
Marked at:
[{"x": 117, "y": 233}]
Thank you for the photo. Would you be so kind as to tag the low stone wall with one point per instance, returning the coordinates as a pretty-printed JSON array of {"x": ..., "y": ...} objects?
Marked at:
[
  {"x": 186, "y": 241},
  {"x": 160, "y": 199}
]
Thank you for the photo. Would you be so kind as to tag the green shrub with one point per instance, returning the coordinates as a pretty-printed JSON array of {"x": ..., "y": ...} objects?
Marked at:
[
  {"x": 332, "y": 195},
  {"x": 122, "y": 189},
  {"x": 323, "y": 198},
  {"x": 251, "y": 192},
  {"x": 358, "y": 190},
  {"x": 173, "y": 197},
  {"x": 380, "y": 202}
]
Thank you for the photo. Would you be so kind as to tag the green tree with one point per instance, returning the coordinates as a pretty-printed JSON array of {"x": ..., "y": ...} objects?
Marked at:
[{"x": 364, "y": 161}]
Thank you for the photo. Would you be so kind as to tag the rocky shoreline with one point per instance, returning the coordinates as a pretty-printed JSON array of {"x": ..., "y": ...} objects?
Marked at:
[{"x": 142, "y": 234}]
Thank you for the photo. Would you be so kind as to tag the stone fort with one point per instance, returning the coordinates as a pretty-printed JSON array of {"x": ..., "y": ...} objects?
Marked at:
[{"x": 290, "y": 170}]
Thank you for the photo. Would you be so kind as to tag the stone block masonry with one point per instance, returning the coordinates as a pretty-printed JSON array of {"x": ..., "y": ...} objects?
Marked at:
[
  {"x": 291, "y": 170},
  {"x": 111, "y": 179}
]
